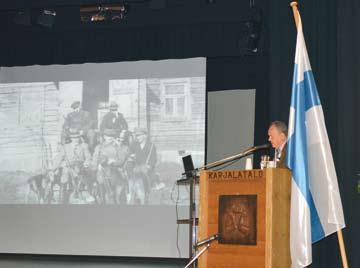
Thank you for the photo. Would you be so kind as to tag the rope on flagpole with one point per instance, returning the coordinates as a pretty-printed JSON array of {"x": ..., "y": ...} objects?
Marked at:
[{"x": 339, "y": 232}]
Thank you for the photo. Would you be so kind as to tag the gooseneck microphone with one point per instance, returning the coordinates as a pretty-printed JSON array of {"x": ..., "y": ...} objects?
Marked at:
[
  {"x": 207, "y": 240},
  {"x": 237, "y": 156},
  {"x": 262, "y": 147},
  {"x": 256, "y": 148}
]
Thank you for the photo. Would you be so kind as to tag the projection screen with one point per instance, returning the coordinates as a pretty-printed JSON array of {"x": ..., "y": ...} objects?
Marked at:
[{"x": 90, "y": 155}]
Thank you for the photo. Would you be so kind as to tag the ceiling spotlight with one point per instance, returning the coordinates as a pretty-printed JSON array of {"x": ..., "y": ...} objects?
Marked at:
[
  {"x": 104, "y": 13},
  {"x": 101, "y": 15},
  {"x": 47, "y": 18}
]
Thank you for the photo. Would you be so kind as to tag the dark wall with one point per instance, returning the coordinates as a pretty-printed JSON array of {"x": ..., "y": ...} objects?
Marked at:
[
  {"x": 182, "y": 28},
  {"x": 346, "y": 99}
]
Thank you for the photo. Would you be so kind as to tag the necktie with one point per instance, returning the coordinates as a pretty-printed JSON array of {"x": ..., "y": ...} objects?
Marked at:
[{"x": 277, "y": 154}]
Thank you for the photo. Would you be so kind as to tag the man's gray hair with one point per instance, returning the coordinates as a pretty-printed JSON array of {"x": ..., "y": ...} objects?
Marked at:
[{"x": 281, "y": 126}]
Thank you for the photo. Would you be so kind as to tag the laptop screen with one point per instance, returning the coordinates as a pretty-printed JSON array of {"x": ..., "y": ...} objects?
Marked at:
[{"x": 188, "y": 165}]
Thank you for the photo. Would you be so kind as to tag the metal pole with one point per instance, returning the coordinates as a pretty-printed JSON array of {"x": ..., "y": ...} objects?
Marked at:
[
  {"x": 197, "y": 256},
  {"x": 191, "y": 219}
]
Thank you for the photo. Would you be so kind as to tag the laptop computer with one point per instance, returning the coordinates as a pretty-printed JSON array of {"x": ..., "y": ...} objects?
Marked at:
[
  {"x": 188, "y": 175},
  {"x": 188, "y": 166}
]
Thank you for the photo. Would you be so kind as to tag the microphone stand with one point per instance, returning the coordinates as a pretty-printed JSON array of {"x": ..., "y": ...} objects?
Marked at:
[
  {"x": 198, "y": 255},
  {"x": 206, "y": 242}
]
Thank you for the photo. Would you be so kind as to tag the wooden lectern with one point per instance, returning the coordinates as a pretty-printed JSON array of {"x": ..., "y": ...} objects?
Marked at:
[{"x": 250, "y": 209}]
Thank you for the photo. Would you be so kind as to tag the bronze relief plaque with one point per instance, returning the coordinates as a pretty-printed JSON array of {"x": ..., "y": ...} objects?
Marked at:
[{"x": 237, "y": 219}]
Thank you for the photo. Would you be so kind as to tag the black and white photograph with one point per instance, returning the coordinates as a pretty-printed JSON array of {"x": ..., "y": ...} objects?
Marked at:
[{"x": 98, "y": 142}]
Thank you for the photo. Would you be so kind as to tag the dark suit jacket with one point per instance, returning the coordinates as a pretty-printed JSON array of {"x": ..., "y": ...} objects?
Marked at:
[
  {"x": 111, "y": 121},
  {"x": 282, "y": 161},
  {"x": 80, "y": 120}
]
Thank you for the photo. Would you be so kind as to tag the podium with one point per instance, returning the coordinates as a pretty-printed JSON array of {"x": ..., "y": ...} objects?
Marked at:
[{"x": 250, "y": 210}]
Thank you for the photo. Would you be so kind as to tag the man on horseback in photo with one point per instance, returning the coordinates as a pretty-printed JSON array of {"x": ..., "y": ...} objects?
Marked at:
[
  {"x": 108, "y": 159},
  {"x": 72, "y": 159}
]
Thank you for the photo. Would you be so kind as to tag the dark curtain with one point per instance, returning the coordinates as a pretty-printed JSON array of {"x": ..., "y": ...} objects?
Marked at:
[
  {"x": 28, "y": 47},
  {"x": 348, "y": 129}
]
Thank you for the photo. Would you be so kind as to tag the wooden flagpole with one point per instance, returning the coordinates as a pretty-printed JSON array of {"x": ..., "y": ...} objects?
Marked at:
[
  {"x": 342, "y": 249},
  {"x": 295, "y": 13},
  {"x": 339, "y": 233}
]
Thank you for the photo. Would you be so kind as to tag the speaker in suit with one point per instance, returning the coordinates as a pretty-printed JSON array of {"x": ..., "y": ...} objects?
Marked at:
[{"x": 277, "y": 133}]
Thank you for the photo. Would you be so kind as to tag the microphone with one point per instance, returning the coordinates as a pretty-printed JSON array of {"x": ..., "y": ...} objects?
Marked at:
[
  {"x": 257, "y": 148},
  {"x": 262, "y": 147},
  {"x": 207, "y": 240},
  {"x": 237, "y": 156}
]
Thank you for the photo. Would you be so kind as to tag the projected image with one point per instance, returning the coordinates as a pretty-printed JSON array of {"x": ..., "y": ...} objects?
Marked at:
[{"x": 98, "y": 142}]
